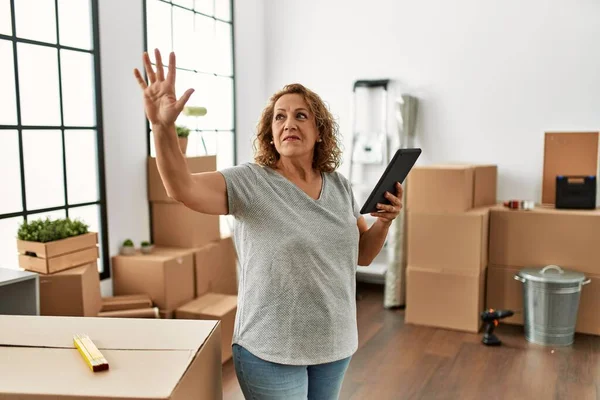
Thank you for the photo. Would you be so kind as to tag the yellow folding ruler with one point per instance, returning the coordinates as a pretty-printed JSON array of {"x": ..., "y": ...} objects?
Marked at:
[{"x": 90, "y": 353}]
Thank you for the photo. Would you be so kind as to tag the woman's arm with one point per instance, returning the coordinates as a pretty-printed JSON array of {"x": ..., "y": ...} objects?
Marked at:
[
  {"x": 204, "y": 192},
  {"x": 372, "y": 239}
]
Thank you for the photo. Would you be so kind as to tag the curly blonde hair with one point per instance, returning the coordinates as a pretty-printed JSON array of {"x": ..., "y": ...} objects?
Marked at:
[{"x": 327, "y": 155}]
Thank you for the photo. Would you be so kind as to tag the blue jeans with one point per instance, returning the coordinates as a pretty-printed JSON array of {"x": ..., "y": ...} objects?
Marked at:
[{"x": 260, "y": 379}]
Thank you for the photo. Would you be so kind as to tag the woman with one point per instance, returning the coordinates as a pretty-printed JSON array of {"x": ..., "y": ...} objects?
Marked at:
[{"x": 299, "y": 236}]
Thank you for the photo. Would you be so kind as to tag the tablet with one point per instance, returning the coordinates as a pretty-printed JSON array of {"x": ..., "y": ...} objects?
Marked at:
[{"x": 396, "y": 171}]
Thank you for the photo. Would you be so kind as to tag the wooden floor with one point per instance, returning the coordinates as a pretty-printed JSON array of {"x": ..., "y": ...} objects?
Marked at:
[{"x": 398, "y": 361}]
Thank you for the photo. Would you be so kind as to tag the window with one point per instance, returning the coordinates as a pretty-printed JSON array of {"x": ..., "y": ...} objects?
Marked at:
[
  {"x": 50, "y": 120},
  {"x": 201, "y": 34}
]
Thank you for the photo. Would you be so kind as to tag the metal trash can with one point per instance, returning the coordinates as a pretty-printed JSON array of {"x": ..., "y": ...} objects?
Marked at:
[{"x": 550, "y": 304}]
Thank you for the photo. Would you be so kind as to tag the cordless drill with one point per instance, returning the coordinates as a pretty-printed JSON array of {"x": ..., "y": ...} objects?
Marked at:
[{"x": 491, "y": 319}]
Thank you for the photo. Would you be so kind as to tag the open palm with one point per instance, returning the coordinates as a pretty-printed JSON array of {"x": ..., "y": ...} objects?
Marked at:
[{"x": 160, "y": 103}]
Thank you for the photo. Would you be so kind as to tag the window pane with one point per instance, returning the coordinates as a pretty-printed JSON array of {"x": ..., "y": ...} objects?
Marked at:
[
  {"x": 204, "y": 6},
  {"x": 184, "y": 43},
  {"x": 185, "y": 3},
  {"x": 82, "y": 166},
  {"x": 223, "y": 9},
  {"x": 198, "y": 144},
  {"x": 8, "y": 242},
  {"x": 53, "y": 215},
  {"x": 5, "y": 18},
  {"x": 42, "y": 152},
  {"x": 11, "y": 200},
  {"x": 75, "y": 23},
  {"x": 91, "y": 216},
  {"x": 222, "y": 104},
  {"x": 36, "y": 21},
  {"x": 225, "y": 150},
  {"x": 186, "y": 80},
  {"x": 158, "y": 29},
  {"x": 223, "y": 47},
  {"x": 8, "y": 100},
  {"x": 77, "y": 73},
  {"x": 204, "y": 59},
  {"x": 38, "y": 85}
]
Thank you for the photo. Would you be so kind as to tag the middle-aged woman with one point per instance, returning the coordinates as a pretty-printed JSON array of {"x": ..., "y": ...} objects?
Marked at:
[{"x": 299, "y": 236}]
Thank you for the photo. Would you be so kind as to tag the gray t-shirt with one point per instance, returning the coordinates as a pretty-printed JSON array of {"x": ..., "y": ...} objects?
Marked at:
[{"x": 298, "y": 258}]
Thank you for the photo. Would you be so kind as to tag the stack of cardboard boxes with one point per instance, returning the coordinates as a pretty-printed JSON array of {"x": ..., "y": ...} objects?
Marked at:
[
  {"x": 447, "y": 243},
  {"x": 546, "y": 235},
  {"x": 69, "y": 283},
  {"x": 192, "y": 271}
]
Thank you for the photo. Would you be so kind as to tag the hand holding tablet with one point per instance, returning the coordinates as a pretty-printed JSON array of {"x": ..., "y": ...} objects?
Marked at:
[{"x": 395, "y": 172}]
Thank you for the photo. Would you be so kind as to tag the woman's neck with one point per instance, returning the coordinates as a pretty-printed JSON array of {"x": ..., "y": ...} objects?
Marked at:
[{"x": 297, "y": 169}]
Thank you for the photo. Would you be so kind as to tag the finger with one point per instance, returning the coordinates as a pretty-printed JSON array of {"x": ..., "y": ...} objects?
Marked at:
[
  {"x": 399, "y": 189},
  {"x": 387, "y": 208},
  {"x": 149, "y": 70},
  {"x": 160, "y": 73},
  {"x": 184, "y": 98},
  {"x": 172, "y": 71},
  {"x": 139, "y": 78},
  {"x": 393, "y": 199},
  {"x": 384, "y": 216}
]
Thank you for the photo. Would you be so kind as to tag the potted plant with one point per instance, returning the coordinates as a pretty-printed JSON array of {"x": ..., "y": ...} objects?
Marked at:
[
  {"x": 182, "y": 135},
  {"x": 48, "y": 246},
  {"x": 146, "y": 247},
  {"x": 127, "y": 248}
]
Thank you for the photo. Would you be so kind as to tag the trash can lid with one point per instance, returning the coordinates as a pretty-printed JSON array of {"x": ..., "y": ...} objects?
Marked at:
[{"x": 552, "y": 274}]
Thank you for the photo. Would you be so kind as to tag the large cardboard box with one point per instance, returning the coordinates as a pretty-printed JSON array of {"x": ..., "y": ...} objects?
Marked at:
[
  {"x": 451, "y": 187},
  {"x": 445, "y": 298},
  {"x": 166, "y": 275},
  {"x": 148, "y": 359},
  {"x": 544, "y": 236},
  {"x": 451, "y": 240},
  {"x": 175, "y": 225},
  {"x": 156, "y": 189},
  {"x": 213, "y": 306},
  {"x": 73, "y": 292},
  {"x": 216, "y": 268},
  {"x": 504, "y": 292},
  {"x": 568, "y": 153}
]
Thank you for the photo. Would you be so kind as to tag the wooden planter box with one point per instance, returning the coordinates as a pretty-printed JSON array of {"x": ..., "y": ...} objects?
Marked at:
[{"x": 50, "y": 257}]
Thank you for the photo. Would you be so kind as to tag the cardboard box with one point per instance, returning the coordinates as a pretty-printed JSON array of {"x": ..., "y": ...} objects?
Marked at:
[
  {"x": 175, "y": 225},
  {"x": 126, "y": 302},
  {"x": 73, "y": 292},
  {"x": 58, "y": 255},
  {"x": 174, "y": 360},
  {"x": 216, "y": 268},
  {"x": 451, "y": 187},
  {"x": 504, "y": 292},
  {"x": 148, "y": 312},
  {"x": 166, "y": 314},
  {"x": 568, "y": 153},
  {"x": 213, "y": 306},
  {"x": 545, "y": 236},
  {"x": 156, "y": 189},
  {"x": 451, "y": 240},
  {"x": 166, "y": 275},
  {"x": 445, "y": 298}
]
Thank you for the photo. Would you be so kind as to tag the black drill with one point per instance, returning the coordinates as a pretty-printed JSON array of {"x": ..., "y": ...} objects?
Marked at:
[{"x": 491, "y": 319}]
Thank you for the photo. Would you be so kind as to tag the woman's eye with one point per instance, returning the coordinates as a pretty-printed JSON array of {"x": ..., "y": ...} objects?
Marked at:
[
  {"x": 279, "y": 117},
  {"x": 301, "y": 116}
]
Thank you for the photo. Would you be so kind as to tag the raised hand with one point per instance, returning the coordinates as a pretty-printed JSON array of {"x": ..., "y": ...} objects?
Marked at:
[{"x": 160, "y": 103}]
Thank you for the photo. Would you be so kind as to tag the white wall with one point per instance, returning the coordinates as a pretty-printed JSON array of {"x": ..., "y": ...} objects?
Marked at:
[
  {"x": 491, "y": 76},
  {"x": 250, "y": 57},
  {"x": 125, "y": 151}
]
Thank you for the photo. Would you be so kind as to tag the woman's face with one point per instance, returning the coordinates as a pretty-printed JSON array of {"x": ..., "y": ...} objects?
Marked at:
[{"x": 294, "y": 128}]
